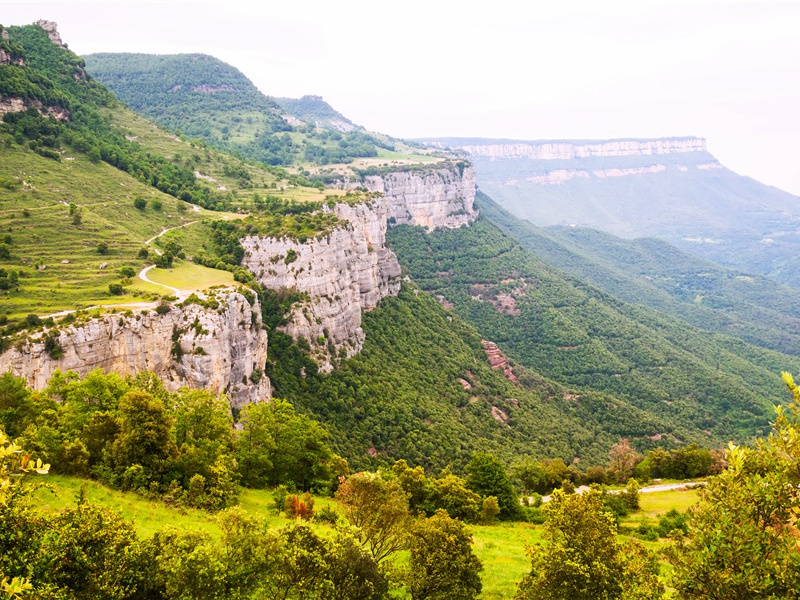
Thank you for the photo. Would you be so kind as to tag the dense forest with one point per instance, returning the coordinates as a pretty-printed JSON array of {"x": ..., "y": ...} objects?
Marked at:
[{"x": 571, "y": 332}]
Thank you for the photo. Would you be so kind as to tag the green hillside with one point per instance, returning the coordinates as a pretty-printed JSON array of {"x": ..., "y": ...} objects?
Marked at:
[
  {"x": 648, "y": 271},
  {"x": 422, "y": 389},
  {"x": 314, "y": 110},
  {"x": 69, "y": 187},
  {"x": 569, "y": 331},
  {"x": 205, "y": 98}
]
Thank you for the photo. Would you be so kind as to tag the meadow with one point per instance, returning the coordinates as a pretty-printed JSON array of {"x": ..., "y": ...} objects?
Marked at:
[{"x": 501, "y": 547}]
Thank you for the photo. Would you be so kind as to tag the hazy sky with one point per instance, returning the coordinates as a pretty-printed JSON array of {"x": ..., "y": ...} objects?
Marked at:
[{"x": 727, "y": 72}]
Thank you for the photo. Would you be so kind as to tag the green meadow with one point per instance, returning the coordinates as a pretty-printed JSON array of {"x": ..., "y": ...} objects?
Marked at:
[{"x": 501, "y": 547}]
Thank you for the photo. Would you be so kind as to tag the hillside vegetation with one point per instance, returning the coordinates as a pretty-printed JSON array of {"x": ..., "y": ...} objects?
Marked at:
[
  {"x": 715, "y": 387},
  {"x": 649, "y": 271},
  {"x": 204, "y": 98}
]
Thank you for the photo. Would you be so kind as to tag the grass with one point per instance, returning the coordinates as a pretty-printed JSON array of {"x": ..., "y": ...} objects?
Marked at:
[
  {"x": 191, "y": 277},
  {"x": 501, "y": 547}
]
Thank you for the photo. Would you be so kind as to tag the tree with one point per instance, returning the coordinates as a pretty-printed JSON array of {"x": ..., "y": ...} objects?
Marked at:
[
  {"x": 742, "y": 539},
  {"x": 442, "y": 565},
  {"x": 146, "y": 437},
  {"x": 277, "y": 446},
  {"x": 623, "y": 460},
  {"x": 488, "y": 477},
  {"x": 378, "y": 509},
  {"x": 531, "y": 475},
  {"x": 582, "y": 559}
]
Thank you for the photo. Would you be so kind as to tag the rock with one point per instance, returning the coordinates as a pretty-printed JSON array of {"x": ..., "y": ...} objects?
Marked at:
[
  {"x": 498, "y": 360},
  {"x": 344, "y": 273},
  {"x": 64, "y": 262},
  {"x": 232, "y": 339},
  {"x": 431, "y": 197},
  {"x": 51, "y": 27},
  {"x": 570, "y": 150},
  {"x": 103, "y": 265},
  {"x": 41, "y": 267}
]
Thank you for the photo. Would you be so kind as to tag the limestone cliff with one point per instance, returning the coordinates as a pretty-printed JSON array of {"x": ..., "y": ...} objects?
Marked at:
[
  {"x": 428, "y": 197},
  {"x": 566, "y": 150},
  {"x": 348, "y": 271},
  {"x": 194, "y": 345}
]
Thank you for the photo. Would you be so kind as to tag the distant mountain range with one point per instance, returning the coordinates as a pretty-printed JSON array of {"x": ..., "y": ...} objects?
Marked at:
[{"x": 670, "y": 188}]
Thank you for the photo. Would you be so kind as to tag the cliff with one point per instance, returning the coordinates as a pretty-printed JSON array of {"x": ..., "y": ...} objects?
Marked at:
[
  {"x": 219, "y": 348},
  {"x": 342, "y": 274},
  {"x": 430, "y": 197},
  {"x": 567, "y": 150}
]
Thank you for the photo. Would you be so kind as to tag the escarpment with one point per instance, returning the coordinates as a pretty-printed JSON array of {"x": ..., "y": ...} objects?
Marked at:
[
  {"x": 429, "y": 197},
  {"x": 348, "y": 271},
  {"x": 217, "y": 344},
  {"x": 352, "y": 269}
]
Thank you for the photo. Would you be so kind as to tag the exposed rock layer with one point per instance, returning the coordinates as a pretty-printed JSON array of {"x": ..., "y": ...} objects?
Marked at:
[
  {"x": 342, "y": 274},
  {"x": 571, "y": 150},
  {"x": 428, "y": 198},
  {"x": 231, "y": 340}
]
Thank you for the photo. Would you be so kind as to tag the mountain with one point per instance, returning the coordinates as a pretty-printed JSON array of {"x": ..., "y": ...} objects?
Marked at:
[
  {"x": 670, "y": 188},
  {"x": 515, "y": 357},
  {"x": 205, "y": 98},
  {"x": 571, "y": 332},
  {"x": 652, "y": 272},
  {"x": 314, "y": 110}
]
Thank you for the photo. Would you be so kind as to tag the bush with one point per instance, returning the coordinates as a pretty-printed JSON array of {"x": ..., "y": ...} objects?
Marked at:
[
  {"x": 116, "y": 289},
  {"x": 127, "y": 272},
  {"x": 102, "y": 248},
  {"x": 157, "y": 205},
  {"x": 140, "y": 203}
]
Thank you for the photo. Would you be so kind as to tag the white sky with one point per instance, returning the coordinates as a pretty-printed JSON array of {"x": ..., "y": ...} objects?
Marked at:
[{"x": 724, "y": 71}]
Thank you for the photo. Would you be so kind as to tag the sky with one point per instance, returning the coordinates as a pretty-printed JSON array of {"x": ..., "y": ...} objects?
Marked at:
[{"x": 728, "y": 72}]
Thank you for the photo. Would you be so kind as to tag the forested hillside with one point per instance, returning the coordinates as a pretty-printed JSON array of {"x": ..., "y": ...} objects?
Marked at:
[
  {"x": 576, "y": 334},
  {"x": 649, "y": 271},
  {"x": 204, "y": 98}
]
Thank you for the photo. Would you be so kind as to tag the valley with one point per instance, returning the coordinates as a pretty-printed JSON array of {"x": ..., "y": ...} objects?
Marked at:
[{"x": 267, "y": 353}]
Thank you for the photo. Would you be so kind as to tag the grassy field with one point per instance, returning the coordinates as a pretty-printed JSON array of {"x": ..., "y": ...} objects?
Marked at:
[
  {"x": 501, "y": 547},
  {"x": 190, "y": 277}
]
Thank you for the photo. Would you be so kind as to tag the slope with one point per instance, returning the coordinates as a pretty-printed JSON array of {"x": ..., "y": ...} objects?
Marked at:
[
  {"x": 670, "y": 188},
  {"x": 569, "y": 331},
  {"x": 648, "y": 271},
  {"x": 423, "y": 389},
  {"x": 206, "y": 98}
]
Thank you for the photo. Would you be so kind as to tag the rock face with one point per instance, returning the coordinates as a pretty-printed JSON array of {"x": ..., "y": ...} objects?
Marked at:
[
  {"x": 11, "y": 104},
  {"x": 430, "y": 198},
  {"x": 51, "y": 27},
  {"x": 342, "y": 274},
  {"x": 498, "y": 360},
  {"x": 500, "y": 149},
  {"x": 220, "y": 349}
]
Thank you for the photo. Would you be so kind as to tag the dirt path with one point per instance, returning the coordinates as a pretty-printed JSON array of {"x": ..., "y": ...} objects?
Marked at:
[
  {"x": 180, "y": 294},
  {"x": 665, "y": 487}
]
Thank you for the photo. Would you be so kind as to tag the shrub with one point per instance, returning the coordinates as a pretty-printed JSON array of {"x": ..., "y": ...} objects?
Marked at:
[
  {"x": 102, "y": 248},
  {"x": 116, "y": 289},
  {"x": 140, "y": 203}
]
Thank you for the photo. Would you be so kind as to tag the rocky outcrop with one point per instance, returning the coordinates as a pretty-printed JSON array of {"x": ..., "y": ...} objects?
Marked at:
[
  {"x": 348, "y": 271},
  {"x": 429, "y": 197},
  {"x": 51, "y": 28},
  {"x": 222, "y": 349},
  {"x": 499, "y": 149},
  {"x": 11, "y": 104},
  {"x": 498, "y": 360}
]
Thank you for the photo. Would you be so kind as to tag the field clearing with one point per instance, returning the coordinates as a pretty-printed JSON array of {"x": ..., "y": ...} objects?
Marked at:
[
  {"x": 501, "y": 547},
  {"x": 188, "y": 276}
]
